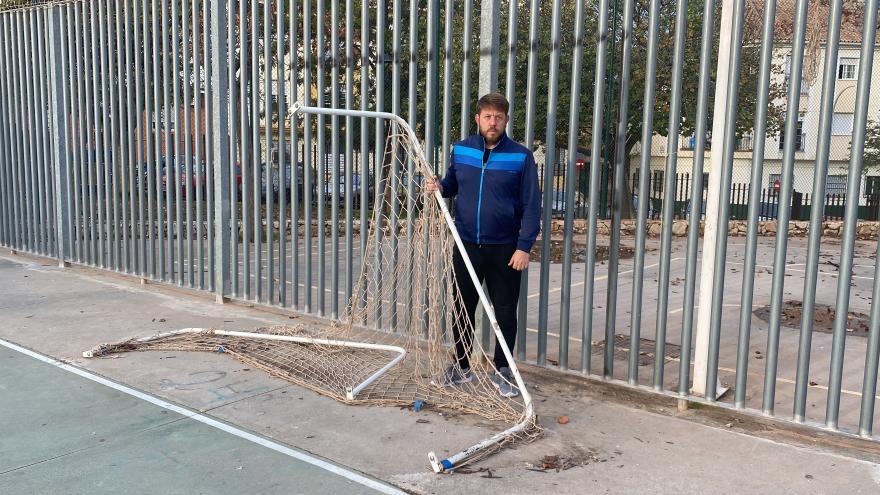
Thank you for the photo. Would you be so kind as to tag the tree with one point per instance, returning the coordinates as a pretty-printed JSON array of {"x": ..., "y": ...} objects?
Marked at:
[{"x": 871, "y": 162}]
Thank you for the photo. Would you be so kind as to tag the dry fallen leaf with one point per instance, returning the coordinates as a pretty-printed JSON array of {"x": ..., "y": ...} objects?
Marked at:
[{"x": 563, "y": 420}]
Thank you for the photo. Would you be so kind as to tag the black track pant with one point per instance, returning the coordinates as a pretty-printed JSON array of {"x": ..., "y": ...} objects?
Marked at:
[{"x": 490, "y": 263}]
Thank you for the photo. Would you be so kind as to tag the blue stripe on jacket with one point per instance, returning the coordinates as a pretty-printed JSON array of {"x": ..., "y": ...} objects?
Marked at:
[{"x": 498, "y": 204}]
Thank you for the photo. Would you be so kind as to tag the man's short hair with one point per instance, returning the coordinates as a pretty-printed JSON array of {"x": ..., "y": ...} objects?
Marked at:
[{"x": 495, "y": 101}]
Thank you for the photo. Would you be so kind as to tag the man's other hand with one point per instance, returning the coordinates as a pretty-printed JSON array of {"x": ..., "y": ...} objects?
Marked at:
[
  {"x": 519, "y": 261},
  {"x": 432, "y": 185}
]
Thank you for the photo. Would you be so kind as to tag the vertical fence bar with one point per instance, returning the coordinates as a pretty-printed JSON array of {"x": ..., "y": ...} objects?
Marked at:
[
  {"x": 729, "y": 147},
  {"x": 412, "y": 99},
  {"x": 74, "y": 65},
  {"x": 334, "y": 150},
  {"x": 30, "y": 174},
  {"x": 783, "y": 209},
  {"x": 447, "y": 86},
  {"x": 180, "y": 122},
  {"x": 150, "y": 128},
  {"x": 549, "y": 156},
  {"x": 866, "y": 61},
  {"x": 269, "y": 178},
  {"x": 365, "y": 124},
  {"x": 245, "y": 35},
  {"x": 235, "y": 173},
  {"x": 851, "y": 211},
  {"x": 186, "y": 37},
  {"x": 294, "y": 160},
  {"x": 31, "y": 166},
  {"x": 111, "y": 121},
  {"x": 307, "y": 139},
  {"x": 210, "y": 226},
  {"x": 257, "y": 176},
  {"x": 595, "y": 156},
  {"x": 823, "y": 147},
  {"x": 19, "y": 172},
  {"x": 669, "y": 196},
  {"x": 43, "y": 165},
  {"x": 5, "y": 140},
  {"x": 44, "y": 168},
  {"x": 379, "y": 151},
  {"x": 395, "y": 202},
  {"x": 644, "y": 200},
  {"x": 39, "y": 164},
  {"x": 126, "y": 104},
  {"x": 6, "y": 170},
  {"x": 199, "y": 131},
  {"x": 349, "y": 135},
  {"x": 619, "y": 159},
  {"x": 17, "y": 159},
  {"x": 322, "y": 159},
  {"x": 467, "y": 57},
  {"x": 750, "y": 258},
  {"x": 219, "y": 117},
  {"x": 140, "y": 123},
  {"x": 529, "y": 140},
  {"x": 87, "y": 138},
  {"x": 280, "y": 81},
  {"x": 99, "y": 129},
  {"x": 169, "y": 176},
  {"x": 573, "y": 127}
]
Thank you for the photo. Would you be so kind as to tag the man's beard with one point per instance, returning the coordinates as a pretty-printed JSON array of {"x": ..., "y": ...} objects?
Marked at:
[{"x": 489, "y": 140}]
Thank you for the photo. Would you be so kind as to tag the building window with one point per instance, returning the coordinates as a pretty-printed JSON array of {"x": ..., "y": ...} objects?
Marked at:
[
  {"x": 846, "y": 69},
  {"x": 842, "y": 124},
  {"x": 787, "y": 71},
  {"x": 774, "y": 178},
  {"x": 799, "y": 137},
  {"x": 872, "y": 186},
  {"x": 835, "y": 184}
]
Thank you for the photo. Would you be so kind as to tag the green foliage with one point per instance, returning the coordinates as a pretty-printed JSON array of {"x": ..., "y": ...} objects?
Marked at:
[{"x": 871, "y": 162}]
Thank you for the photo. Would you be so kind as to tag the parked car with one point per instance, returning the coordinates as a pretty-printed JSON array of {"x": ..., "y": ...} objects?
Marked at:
[{"x": 559, "y": 205}]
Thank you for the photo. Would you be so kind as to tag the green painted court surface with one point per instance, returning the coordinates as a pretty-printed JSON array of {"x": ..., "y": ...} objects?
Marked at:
[{"x": 62, "y": 433}]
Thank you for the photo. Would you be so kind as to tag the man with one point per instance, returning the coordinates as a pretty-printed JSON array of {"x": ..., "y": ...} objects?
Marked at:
[{"x": 497, "y": 214}]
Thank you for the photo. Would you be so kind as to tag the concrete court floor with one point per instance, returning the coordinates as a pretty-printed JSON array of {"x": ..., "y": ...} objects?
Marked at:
[
  {"x": 66, "y": 434},
  {"x": 621, "y": 448}
]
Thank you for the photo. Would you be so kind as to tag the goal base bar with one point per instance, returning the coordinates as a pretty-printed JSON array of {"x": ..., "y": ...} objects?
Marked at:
[{"x": 350, "y": 392}]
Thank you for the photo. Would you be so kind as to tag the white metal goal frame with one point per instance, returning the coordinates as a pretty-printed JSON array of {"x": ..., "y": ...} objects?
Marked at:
[{"x": 440, "y": 465}]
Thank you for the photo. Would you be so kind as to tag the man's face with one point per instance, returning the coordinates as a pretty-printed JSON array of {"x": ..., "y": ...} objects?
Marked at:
[{"x": 491, "y": 123}]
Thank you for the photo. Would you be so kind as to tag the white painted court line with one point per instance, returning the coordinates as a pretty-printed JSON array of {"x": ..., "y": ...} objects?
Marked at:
[
  {"x": 601, "y": 277},
  {"x": 301, "y": 456}
]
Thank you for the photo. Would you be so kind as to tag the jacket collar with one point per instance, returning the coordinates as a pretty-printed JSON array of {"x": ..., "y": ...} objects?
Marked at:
[{"x": 501, "y": 140}]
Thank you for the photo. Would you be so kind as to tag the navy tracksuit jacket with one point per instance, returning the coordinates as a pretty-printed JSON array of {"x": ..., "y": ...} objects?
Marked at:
[
  {"x": 497, "y": 210},
  {"x": 497, "y": 202}
]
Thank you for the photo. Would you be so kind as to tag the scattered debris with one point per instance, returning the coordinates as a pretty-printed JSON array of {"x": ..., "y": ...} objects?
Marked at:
[
  {"x": 563, "y": 420},
  {"x": 857, "y": 324},
  {"x": 423, "y": 421}
]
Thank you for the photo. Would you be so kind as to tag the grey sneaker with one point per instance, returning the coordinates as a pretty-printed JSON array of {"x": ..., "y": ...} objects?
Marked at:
[
  {"x": 453, "y": 376},
  {"x": 503, "y": 381}
]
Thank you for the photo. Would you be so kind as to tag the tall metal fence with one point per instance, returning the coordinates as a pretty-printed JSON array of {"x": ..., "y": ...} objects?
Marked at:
[{"x": 156, "y": 138}]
